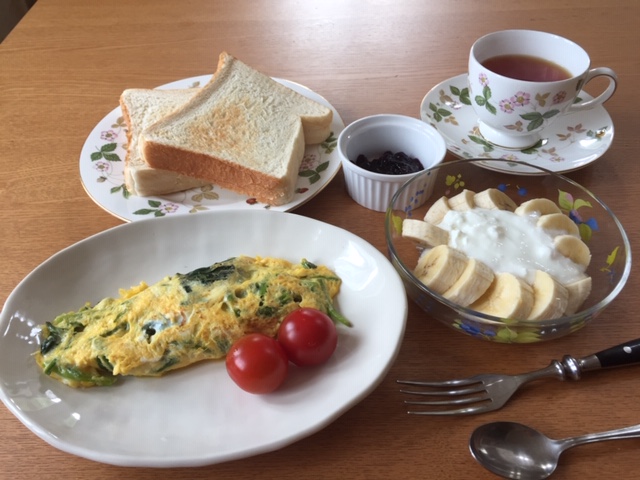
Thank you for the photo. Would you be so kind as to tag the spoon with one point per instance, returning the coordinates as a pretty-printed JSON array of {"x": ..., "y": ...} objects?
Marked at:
[{"x": 513, "y": 450}]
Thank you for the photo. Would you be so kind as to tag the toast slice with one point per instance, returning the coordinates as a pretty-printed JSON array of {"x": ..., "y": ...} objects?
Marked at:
[
  {"x": 141, "y": 108},
  {"x": 243, "y": 131}
]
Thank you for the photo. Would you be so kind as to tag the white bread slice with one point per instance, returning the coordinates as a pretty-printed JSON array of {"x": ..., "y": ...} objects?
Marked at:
[
  {"x": 142, "y": 108},
  {"x": 243, "y": 131}
]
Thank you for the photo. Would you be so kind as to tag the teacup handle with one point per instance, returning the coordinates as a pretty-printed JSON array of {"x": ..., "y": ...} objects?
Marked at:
[{"x": 604, "y": 96}]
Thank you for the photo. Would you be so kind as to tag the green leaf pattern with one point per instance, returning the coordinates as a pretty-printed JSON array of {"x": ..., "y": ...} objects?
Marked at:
[
  {"x": 520, "y": 102},
  {"x": 107, "y": 154},
  {"x": 453, "y": 98}
]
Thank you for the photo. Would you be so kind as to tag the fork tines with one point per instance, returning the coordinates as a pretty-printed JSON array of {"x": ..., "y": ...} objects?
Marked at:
[{"x": 447, "y": 396}]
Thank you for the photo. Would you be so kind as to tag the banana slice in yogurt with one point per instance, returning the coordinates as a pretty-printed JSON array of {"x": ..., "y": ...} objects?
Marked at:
[{"x": 469, "y": 282}]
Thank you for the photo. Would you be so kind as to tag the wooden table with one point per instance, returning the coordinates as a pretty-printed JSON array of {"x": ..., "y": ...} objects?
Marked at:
[{"x": 63, "y": 68}]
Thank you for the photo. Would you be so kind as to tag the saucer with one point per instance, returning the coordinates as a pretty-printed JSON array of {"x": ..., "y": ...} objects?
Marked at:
[{"x": 571, "y": 142}]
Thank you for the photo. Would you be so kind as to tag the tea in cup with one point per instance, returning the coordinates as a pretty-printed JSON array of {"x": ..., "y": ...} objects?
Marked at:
[{"x": 521, "y": 81}]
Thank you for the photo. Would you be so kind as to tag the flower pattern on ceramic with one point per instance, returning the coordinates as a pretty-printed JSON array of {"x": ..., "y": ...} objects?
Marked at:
[
  {"x": 572, "y": 141},
  {"x": 102, "y": 170},
  {"x": 517, "y": 102},
  {"x": 199, "y": 199}
]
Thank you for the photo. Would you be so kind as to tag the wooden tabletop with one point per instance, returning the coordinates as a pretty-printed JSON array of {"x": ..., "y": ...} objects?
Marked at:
[{"x": 62, "y": 70}]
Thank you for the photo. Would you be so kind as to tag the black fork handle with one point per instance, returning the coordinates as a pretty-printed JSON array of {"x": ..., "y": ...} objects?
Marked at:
[{"x": 626, "y": 353}]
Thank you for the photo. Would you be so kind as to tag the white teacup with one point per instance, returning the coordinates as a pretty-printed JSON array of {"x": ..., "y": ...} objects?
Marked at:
[{"x": 512, "y": 112}]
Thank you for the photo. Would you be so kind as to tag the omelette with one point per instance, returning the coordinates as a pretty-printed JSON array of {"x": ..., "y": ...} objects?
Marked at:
[{"x": 182, "y": 319}]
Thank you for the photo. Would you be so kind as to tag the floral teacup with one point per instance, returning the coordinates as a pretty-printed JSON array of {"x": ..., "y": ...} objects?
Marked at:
[{"x": 520, "y": 81}]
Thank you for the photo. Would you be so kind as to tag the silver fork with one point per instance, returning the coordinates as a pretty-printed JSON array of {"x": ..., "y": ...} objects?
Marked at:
[{"x": 488, "y": 392}]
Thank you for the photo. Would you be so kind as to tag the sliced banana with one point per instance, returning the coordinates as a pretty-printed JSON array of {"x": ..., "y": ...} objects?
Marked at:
[
  {"x": 462, "y": 201},
  {"x": 437, "y": 211},
  {"x": 440, "y": 267},
  {"x": 474, "y": 281},
  {"x": 550, "y": 297},
  {"x": 424, "y": 233},
  {"x": 507, "y": 297},
  {"x": 558, "y": 222},
  {"x": 578, "y": 292},
  {"x": 542, "y": 206},
  {"x": 494, "y": 199},
  {"x": 473, "y": 284},
  {"x": 573, "y": 248}
]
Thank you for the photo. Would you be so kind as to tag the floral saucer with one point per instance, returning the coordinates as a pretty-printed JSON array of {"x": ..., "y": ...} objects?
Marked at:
[
  {"x": 104, "y": 151},
  {"x": 570, "y": 143}
]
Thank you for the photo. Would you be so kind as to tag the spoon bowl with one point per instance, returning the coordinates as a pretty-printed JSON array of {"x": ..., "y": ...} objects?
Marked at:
[{"x": 513, "y": 450}]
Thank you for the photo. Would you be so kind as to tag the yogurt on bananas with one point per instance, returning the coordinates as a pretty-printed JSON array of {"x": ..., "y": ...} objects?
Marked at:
[{"x": 509, "y": 243}]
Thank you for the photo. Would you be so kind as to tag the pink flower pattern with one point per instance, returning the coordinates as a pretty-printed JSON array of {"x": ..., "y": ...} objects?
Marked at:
[
  {"x": 169, "y": 207},
  {"x": 521, "y": 99},
  {"x": 507, "y": 105},
  {"x": 551, "y": 151},
  {"x": 109, "y": 135},
  {"x": 102, "y": 166}
]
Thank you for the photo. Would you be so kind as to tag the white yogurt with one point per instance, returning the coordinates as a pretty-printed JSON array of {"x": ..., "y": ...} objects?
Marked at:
[{"x": 507, "y": 242}]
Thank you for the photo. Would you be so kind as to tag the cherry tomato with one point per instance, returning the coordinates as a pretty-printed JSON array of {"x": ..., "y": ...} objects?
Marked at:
[
  {"x": 257, "y": 363},
  {"x": 308, "y": 336}
]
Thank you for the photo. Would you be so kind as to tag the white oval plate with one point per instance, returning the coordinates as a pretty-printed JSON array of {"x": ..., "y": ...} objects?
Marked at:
[
  {"x": 197, "y": 415},
  {"x": 102, "y": 169},
  {"x": 571, "y": 142}
]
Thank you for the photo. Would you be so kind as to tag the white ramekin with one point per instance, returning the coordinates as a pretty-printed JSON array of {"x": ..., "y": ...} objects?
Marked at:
[{"x": 372, "y": 136}]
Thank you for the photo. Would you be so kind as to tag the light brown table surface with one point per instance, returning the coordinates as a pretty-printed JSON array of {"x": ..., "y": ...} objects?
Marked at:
[{"x": 63, "y": 68}]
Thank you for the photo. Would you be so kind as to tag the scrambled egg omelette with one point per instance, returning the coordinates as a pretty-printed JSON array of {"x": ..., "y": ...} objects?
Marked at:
[{"x": 182, "y": 319}]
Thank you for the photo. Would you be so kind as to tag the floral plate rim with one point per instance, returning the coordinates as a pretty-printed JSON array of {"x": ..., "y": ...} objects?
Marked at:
[
  {"x": 573, "y": 141},
  {"x": 102, "y": 163}
]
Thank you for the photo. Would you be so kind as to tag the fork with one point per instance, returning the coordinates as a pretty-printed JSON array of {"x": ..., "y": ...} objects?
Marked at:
[{"x": 489, "y": 392}]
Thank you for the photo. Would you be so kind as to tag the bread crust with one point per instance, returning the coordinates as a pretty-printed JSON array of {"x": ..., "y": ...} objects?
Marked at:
[
  {"x": 243, "y": 131},
  {"x": 128, "y": 181},
  {"x": 263, "y": 188},
  {"x": 142, "y": 107}
]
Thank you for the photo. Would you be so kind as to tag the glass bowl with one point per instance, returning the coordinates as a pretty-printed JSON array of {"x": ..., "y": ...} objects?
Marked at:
[{"x": 598, "y": 227}]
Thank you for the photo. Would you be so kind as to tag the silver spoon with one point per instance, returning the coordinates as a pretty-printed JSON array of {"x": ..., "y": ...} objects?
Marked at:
[{"x": 513, "y": 450}]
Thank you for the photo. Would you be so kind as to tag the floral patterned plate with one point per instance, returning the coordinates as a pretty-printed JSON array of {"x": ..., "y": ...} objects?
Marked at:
[
  {"x": 572, "y": 142},
  {"x": 102, "y": 170}
]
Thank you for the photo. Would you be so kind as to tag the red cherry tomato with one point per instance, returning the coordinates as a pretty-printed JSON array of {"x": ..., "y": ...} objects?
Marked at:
[
  {"x": 257, "y": 363},
  {"x": 308, "y": 336}
]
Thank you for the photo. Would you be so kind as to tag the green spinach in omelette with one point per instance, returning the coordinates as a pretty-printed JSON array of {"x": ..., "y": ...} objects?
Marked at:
[{"x": 182, "y": 319}]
